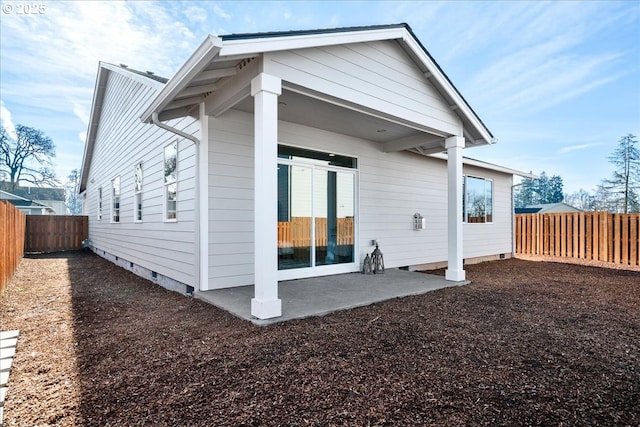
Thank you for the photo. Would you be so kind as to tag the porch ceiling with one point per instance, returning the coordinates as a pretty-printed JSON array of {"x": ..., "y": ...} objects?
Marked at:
[{"x": 309, "y": 111}]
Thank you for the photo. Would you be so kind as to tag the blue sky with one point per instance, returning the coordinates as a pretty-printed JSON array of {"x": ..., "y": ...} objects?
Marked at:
[{"x": 557, "y": 83}]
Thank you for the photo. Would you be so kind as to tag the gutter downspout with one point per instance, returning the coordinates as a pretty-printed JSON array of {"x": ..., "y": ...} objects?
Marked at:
[{"x": 196, "y": 141}]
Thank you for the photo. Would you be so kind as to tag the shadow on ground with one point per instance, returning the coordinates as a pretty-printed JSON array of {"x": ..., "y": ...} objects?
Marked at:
[{"x": 526, "y": 344}]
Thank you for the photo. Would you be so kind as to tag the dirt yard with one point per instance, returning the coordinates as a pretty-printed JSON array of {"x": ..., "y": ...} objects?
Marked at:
[{"x": 527, "y": 343}]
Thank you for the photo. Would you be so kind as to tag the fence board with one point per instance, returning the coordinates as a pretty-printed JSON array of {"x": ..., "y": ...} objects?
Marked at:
[
  {"x": 297, "y": 232},
  {"x": 55, "y": 233},
  {"x": 588, "y": 235},
  {"x": 12, "y": 226}
]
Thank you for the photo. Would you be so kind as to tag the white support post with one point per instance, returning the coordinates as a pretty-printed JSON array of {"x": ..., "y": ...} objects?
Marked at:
[
  {"x": 202, "y": 185},
  {"x": 265, "y": 89},
  {"x": 455, "y": 269}
]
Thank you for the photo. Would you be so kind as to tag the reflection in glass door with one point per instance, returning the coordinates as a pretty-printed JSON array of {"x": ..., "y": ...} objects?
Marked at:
[
  {"x": 334, "y": 213},
  {"x": 316, "y": 211},
  {"x": 294, "y": 217}
]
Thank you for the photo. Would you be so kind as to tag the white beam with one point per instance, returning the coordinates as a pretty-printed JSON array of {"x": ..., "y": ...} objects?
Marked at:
[
  {"x": 429, "y": 151},
  {"x": 455, "y": 269},
  {"x": 412, "y": 142},
  {"x": 265, "y": 89},
  {"x": 184, "y": 102},
  {"x": 215, "y": 74},
  {"x": 196, "y": 90},
  {"x": 234, "y": 91}
]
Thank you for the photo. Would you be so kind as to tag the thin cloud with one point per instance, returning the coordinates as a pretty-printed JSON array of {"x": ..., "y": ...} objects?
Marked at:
[
  {"x": 7, "y": 123},
  {"x": 577, "y": 147},
  {"x": 221, "y": 12}
]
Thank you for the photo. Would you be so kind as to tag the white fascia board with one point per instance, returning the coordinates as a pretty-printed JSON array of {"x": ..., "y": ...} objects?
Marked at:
[
  {"x": 442, "y": 81},
  {"x": 203, "y": 55},
  {"x": 258, "y": 45},
  {"x": 486, "y": 165},
  {"x": 96, "y": 108}
]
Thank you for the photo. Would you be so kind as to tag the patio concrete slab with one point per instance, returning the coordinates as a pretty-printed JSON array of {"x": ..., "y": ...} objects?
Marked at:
[{"x": 318, "y": 296}]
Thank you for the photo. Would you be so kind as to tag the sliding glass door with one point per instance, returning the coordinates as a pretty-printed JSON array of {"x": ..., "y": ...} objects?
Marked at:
[{"x": 316, "y": 211}]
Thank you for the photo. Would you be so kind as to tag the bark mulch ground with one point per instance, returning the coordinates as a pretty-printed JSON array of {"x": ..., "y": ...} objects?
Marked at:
[{"x": 527, "y": 343}]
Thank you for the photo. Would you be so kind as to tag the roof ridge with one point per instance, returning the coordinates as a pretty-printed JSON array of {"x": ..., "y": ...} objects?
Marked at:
[{"x": 268, "y": 34}]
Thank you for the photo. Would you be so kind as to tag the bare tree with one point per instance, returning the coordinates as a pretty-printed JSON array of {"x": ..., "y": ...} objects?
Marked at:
[
  {"x": 27, "y": 158},
  {"x": 71, "y": 189}
]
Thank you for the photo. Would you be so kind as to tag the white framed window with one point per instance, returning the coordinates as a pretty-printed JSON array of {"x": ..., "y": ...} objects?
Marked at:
[
  {"x": 137, "y": 189},
  {"x": 477, "y": 203},
  {"x": 171, "y": 181},
  {"x": 99, "y": 213},
  {"x": 115, "y": 199}
]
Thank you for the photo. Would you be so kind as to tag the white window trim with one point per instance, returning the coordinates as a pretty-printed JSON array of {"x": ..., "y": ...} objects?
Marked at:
[
  {"x": 138, "y": 193},
  {"x": 99, "y": 207},
  {"x": 465, "y": 204},
  {"x": 166, "y": 185},
  {"x": 113, "y": 199}
]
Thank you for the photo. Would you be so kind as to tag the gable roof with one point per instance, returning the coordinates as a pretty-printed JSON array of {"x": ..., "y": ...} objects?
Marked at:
[
  {"x": 217, "y": 59},
  {"x": 104, "y": 70},
  {"x": 34, "y": 193},
  {"x": 22, "y": 202}
]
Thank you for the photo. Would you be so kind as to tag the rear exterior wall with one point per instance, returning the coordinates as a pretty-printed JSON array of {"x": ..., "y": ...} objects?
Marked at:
[{"x": 391, "y": 188}]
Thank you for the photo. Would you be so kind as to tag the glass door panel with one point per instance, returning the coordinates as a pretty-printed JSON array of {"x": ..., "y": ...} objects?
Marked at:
[
  {"x": 294, "y": 216},
  {"x": 334, "y": 213}
]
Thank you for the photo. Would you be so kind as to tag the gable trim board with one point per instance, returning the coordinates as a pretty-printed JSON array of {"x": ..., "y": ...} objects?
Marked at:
[{"x": 234, "y": 102}]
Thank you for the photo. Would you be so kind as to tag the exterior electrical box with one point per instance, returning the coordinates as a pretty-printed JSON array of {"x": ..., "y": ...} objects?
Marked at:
[{"x": 419, "y": 222}]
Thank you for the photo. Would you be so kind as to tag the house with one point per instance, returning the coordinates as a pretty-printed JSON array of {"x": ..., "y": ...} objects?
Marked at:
[
  {"x": 286, "y": 155},
  {"x": 51, "y": 197},
  {"x": 25, "y": 205},
  {"x": 547, "y": 208}
]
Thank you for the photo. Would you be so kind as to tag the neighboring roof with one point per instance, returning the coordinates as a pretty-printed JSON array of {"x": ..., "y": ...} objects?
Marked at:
[
  {"x": 21, "y": 202},
  {"x": 104, "y": 70},
  {"x": 218, "y": 57},
  {"x": 548, "y": 208},
  {"x": 526, "y": 210},
  {"x": 35, "y": 193}
]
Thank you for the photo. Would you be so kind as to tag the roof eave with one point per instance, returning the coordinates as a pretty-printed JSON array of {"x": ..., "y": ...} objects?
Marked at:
[
  {"x": 443, "y": 82},
  {"x": 203, "y": 55},
  {"x": 96, "y": 107},
  {"x": 486, "y": 165}
]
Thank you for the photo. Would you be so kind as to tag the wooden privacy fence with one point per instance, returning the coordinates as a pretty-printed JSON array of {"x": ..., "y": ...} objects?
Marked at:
[
  {"x": 589, "y": 235},
  {"x": 12, "y": 226},
  {"x": 297, "y": 232},
  {"x": 54, "y": 233}
]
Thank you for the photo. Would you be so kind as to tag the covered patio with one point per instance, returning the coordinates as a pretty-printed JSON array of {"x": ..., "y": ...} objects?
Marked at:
[{"x": 317, "y": 296}]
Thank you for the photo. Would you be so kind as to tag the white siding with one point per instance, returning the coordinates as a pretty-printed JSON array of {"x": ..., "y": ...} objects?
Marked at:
[
  {"x": 121, "y": 142},
  {"x": 376, "y": 75},
  {"x": 231, "y": 200},
  {"x": 491, "y": 238},
  {"x": 392, "y": 187}
]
